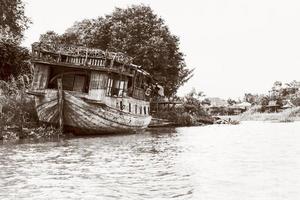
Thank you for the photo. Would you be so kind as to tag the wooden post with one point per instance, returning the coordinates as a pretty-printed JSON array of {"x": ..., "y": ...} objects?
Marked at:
[
  {"x": 86, "y": 57},
  {"x": 60, "y": 103},
  {"x": 105, "y": 61},
  {"x": 133, "y": 83},
  {"x": 112, "y": 61},
  {"x": 21, "y": 135},
  {"x": 2, "y": 124}
]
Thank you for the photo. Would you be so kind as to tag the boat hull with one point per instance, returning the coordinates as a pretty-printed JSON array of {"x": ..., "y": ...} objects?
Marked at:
[{"x": 83, "y": 117}]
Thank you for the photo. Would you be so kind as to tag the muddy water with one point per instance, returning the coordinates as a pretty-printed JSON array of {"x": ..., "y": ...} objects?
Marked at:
[{"x": 253, "y": 160}]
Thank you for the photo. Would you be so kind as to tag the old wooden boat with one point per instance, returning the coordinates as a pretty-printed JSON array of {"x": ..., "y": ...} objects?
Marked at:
[{"x": 90, "y": 90}]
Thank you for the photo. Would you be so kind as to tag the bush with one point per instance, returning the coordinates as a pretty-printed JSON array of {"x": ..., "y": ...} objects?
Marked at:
[
  {"x": 296, "y": 101},
  {"x": 186, "y": 115},
  {"x": 18, "y": 109}
]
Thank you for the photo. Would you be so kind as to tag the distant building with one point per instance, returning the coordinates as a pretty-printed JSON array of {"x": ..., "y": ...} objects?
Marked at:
[
  {"x": 217, "y": 102},
  {"x": 221, "y": 107},
  {"x": 272, "y": 107},
  {"x": 288, "y": 105},
  {"x": 239, "y": 108}
]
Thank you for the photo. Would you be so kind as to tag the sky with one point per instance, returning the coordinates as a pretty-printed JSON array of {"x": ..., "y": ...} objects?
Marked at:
[{"x": 235, "y": 46}]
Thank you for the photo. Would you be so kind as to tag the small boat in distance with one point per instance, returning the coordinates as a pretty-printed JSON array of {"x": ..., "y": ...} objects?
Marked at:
[{"x": 90, "y": 90}]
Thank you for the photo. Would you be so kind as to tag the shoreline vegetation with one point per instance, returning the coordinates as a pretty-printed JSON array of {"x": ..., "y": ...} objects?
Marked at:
[
  {"x": 18, "y": 118},
  {"x": 288, "y": 115}
]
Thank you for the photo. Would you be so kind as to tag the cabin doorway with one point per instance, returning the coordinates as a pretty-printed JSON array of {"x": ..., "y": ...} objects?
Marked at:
[{"x": 72, "y": 80}]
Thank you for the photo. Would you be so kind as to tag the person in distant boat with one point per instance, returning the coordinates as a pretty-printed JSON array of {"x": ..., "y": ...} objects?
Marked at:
[{"x": 159, "y": 89}]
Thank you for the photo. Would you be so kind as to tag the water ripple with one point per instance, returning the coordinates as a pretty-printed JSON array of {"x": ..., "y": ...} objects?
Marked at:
[{"x": 249, "y": 161}]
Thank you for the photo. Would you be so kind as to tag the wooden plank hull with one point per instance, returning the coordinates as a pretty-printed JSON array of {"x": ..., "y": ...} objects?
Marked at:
[{"x": 85, "y": 117}]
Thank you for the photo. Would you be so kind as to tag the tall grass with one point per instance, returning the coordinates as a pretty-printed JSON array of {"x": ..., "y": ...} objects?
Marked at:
[
  {"x": 18, "y": 117},
  {"x": 288, "y": 115}
]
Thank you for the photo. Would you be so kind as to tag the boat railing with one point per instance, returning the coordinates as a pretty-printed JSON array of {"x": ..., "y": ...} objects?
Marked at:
[
  {"x": 81, "y": 56},
  {"x": 84, "y": 62}
]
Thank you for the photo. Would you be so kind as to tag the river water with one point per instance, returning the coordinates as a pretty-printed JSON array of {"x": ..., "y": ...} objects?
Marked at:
[{"x": 253, "y": 160}]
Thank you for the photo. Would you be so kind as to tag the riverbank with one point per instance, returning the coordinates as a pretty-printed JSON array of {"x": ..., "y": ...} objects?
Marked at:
[
  {"x": 18, "y": 119},
  {"x": 179, "y": 117},
  {"x": 288, "y": 115},
  {"x": 32, "y": 133}
]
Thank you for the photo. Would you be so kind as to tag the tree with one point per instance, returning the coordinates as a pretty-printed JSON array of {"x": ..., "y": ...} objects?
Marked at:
[
  {"x": 193, "y": 104},
  {"x": 194, "y": 94},
  {"x": 277, "y": 84},
  {"x": 141, "y": 34},
  {"x": 231, "y": 101},
  {"x": 51, "y": 38},
  {"x": 13, "y": 21},
  {"x": 251, "y": 98},
  {"x": 13, "y": 59},
  {"x": 264, "y": 100},
  {"x": 206, "y": 101},
  {"x": 294, "y": 84},
  {"x": 296, "y": 101}
]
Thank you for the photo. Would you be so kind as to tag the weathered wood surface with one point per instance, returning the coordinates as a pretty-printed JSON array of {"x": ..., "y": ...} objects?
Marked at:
[
  {"x": 97, "y": 87},
  {"x": 60, "y": 103},
  {"x": 95, "y": 68},
  {"x": 77, "y": 53},
  {"x": 40, "y": 78},
  {"x": 88, "y": 116}
]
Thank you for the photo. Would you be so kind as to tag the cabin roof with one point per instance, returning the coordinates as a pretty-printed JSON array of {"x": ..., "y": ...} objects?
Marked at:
[
  {"x": 72, "y": 50},
  {"x": 272, "y": 104},
  {"x": 288, "y": 104},
  {"x": 84, "y": 52}
]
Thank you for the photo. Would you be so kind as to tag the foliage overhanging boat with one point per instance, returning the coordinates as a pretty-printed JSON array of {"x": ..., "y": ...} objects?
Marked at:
[{"x": 90, "y": 90}]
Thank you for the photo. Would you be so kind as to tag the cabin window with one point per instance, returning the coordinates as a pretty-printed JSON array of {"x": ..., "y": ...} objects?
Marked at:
[
  {"x": 129, "y": 87},
  {"x": 141, "y": 110},
  {"x": 109, "y": 87},
  {"x": 141, "y": 84},
  {"x": 148, "y": 110},
  {"x": 145, "y": 110},
  {"x": 116, "y": 87},
  {"x": 135, "y": 109},
  {"x": 129, "y": 107},
  {"x": 121, "y": 88}
]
